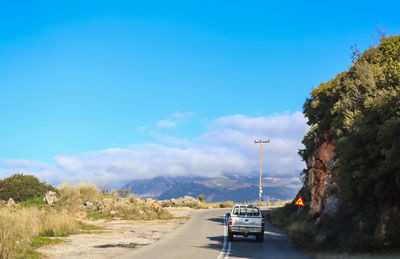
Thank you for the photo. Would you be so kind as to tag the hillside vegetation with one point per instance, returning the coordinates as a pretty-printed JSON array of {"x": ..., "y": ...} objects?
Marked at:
[
  {"x": 11, "y": 187},
  {"x": 360, "y": 110},
  {"x": 31, "y": 222}
]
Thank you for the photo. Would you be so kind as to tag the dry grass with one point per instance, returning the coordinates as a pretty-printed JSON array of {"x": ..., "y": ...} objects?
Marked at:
[
  {"x": 223, "y": 204},
  {"x": 196, "y": 204},
  {"x": 130, "y": 208},
  {"x": 141, "y": 211},
  {"x": 229, "y": 204},
  {"x": 73, "y": 196},
  {"x": 57, "y": 224},
  {"x": 19, "y": 226},
  {"x": 275, "y": 203}
]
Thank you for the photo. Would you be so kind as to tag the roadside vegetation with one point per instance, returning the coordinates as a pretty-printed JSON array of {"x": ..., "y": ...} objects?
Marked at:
[
  {"x": 31, "y": 222},
  {"x": 193, "y": 203},
  {"x": 296, "y": 223},
  {"x": 22, "y": 229},
  {"x": 360, "y": 109},
  {"x": 23, "y": 187},
  {"x": 275, "y": 203}
]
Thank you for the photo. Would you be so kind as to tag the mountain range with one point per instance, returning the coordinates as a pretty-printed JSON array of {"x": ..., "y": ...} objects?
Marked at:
[{"x": 237, "y": 188}]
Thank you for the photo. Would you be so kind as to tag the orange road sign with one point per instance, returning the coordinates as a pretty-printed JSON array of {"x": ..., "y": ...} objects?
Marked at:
[{"x": 299, "y": 202}]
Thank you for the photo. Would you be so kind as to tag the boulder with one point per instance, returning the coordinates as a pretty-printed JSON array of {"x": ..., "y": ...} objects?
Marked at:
[
  {"x": 99, "y": 205},
  {"x": 50, "y": 197},
  {"x": 149, "y": 201},
  {"x": 88, "y": 205},
  {"x": 165, "y": 203},
  {"x": 330, "y": 209},
  {"x": 189, "y": 199},
  {"x": 11, "y": 202}
]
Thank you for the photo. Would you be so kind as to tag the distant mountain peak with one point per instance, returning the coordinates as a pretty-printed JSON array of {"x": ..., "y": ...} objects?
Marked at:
[{"x": 233, "y": 187}]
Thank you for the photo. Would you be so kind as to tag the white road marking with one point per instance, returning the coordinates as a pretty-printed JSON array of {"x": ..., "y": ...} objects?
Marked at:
[
  {"x": 229, "y": 250},
  {"x": 221, "y": 254}
]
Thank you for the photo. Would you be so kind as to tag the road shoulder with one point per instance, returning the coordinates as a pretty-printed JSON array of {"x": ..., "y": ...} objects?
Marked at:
[{"x": 116, "y": 237}]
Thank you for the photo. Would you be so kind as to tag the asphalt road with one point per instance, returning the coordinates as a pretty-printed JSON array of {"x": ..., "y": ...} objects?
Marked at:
[{"x": 205, "y": 236}]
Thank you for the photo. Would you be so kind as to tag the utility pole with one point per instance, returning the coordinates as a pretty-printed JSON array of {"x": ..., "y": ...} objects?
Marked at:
[{"x": 260, "y": 189}]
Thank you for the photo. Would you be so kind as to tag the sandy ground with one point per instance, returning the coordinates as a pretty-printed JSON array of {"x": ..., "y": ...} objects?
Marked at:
[{"x": 116, "y": 238}]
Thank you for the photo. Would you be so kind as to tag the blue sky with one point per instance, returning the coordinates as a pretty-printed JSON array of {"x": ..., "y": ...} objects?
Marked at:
[{"x": 78, "y": 78}]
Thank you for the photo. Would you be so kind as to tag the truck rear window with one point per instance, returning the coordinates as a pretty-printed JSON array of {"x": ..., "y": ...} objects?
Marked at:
[{"x": 245, "y": 211}]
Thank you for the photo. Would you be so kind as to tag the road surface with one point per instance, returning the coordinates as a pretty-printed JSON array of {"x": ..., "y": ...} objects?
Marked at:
[{"x": 205, "y": 236}]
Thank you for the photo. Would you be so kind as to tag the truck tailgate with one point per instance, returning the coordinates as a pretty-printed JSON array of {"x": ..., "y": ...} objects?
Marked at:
[{"x": 246, "y": 221}]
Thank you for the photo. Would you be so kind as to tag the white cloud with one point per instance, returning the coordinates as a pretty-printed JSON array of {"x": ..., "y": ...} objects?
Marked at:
[
  {"x": 183, "y": 115},
  {"x": 170, "y": 140},
  {"x": 167, "y": 123},
  {"x": 225, "y": 147},
  {"x": 174, "y": 119}
]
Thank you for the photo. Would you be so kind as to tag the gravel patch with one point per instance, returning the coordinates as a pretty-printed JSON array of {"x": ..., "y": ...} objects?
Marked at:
[{"x": 117, "y": 237}]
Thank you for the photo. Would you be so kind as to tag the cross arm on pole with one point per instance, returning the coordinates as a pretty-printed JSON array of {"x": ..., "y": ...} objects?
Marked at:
[{"x": 262, "y": 141}]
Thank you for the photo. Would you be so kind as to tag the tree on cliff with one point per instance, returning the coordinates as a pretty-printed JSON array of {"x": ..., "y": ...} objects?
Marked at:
[
  {"x": 362, "y": 107},
  {"x": 361, "y": 110}
]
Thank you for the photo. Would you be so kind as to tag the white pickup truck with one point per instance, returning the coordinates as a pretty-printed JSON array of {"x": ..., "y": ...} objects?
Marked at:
[{"x": 245, "y": 220}]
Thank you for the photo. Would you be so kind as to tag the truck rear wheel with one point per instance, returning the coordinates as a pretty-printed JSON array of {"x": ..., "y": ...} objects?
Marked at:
[{"x": 260, "y": 237}]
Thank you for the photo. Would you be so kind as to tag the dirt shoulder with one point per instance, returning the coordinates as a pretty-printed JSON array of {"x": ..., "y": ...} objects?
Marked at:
[{"x": 115, "y": 237}]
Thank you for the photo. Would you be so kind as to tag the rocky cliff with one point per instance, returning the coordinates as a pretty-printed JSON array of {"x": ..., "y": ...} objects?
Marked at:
[
  {"x": 325, "y": 192},
  {"x": 322, "y": 171}
]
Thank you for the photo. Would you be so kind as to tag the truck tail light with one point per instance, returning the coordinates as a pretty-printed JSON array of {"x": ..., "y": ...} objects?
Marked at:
[
  {"x": 230, "y": 222},
  {"x": 262, "y": 224}
]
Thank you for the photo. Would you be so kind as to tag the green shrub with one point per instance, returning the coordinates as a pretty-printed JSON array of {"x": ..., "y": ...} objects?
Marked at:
[
  {"x": 200, "y": 197},
  {"x": 30, "y": 202},
  {"x": 41, "y": 241},
  {"x": 95, "y": 215},
  {"x": 23, "y": 187}
]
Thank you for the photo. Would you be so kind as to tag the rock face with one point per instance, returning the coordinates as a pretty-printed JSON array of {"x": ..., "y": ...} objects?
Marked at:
[
  {"x": 325, "y": 192},
  {"x": 322, "y": 166},
  {"x": 331, "y": 207},
  {"x": 50, "y": 197}
]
